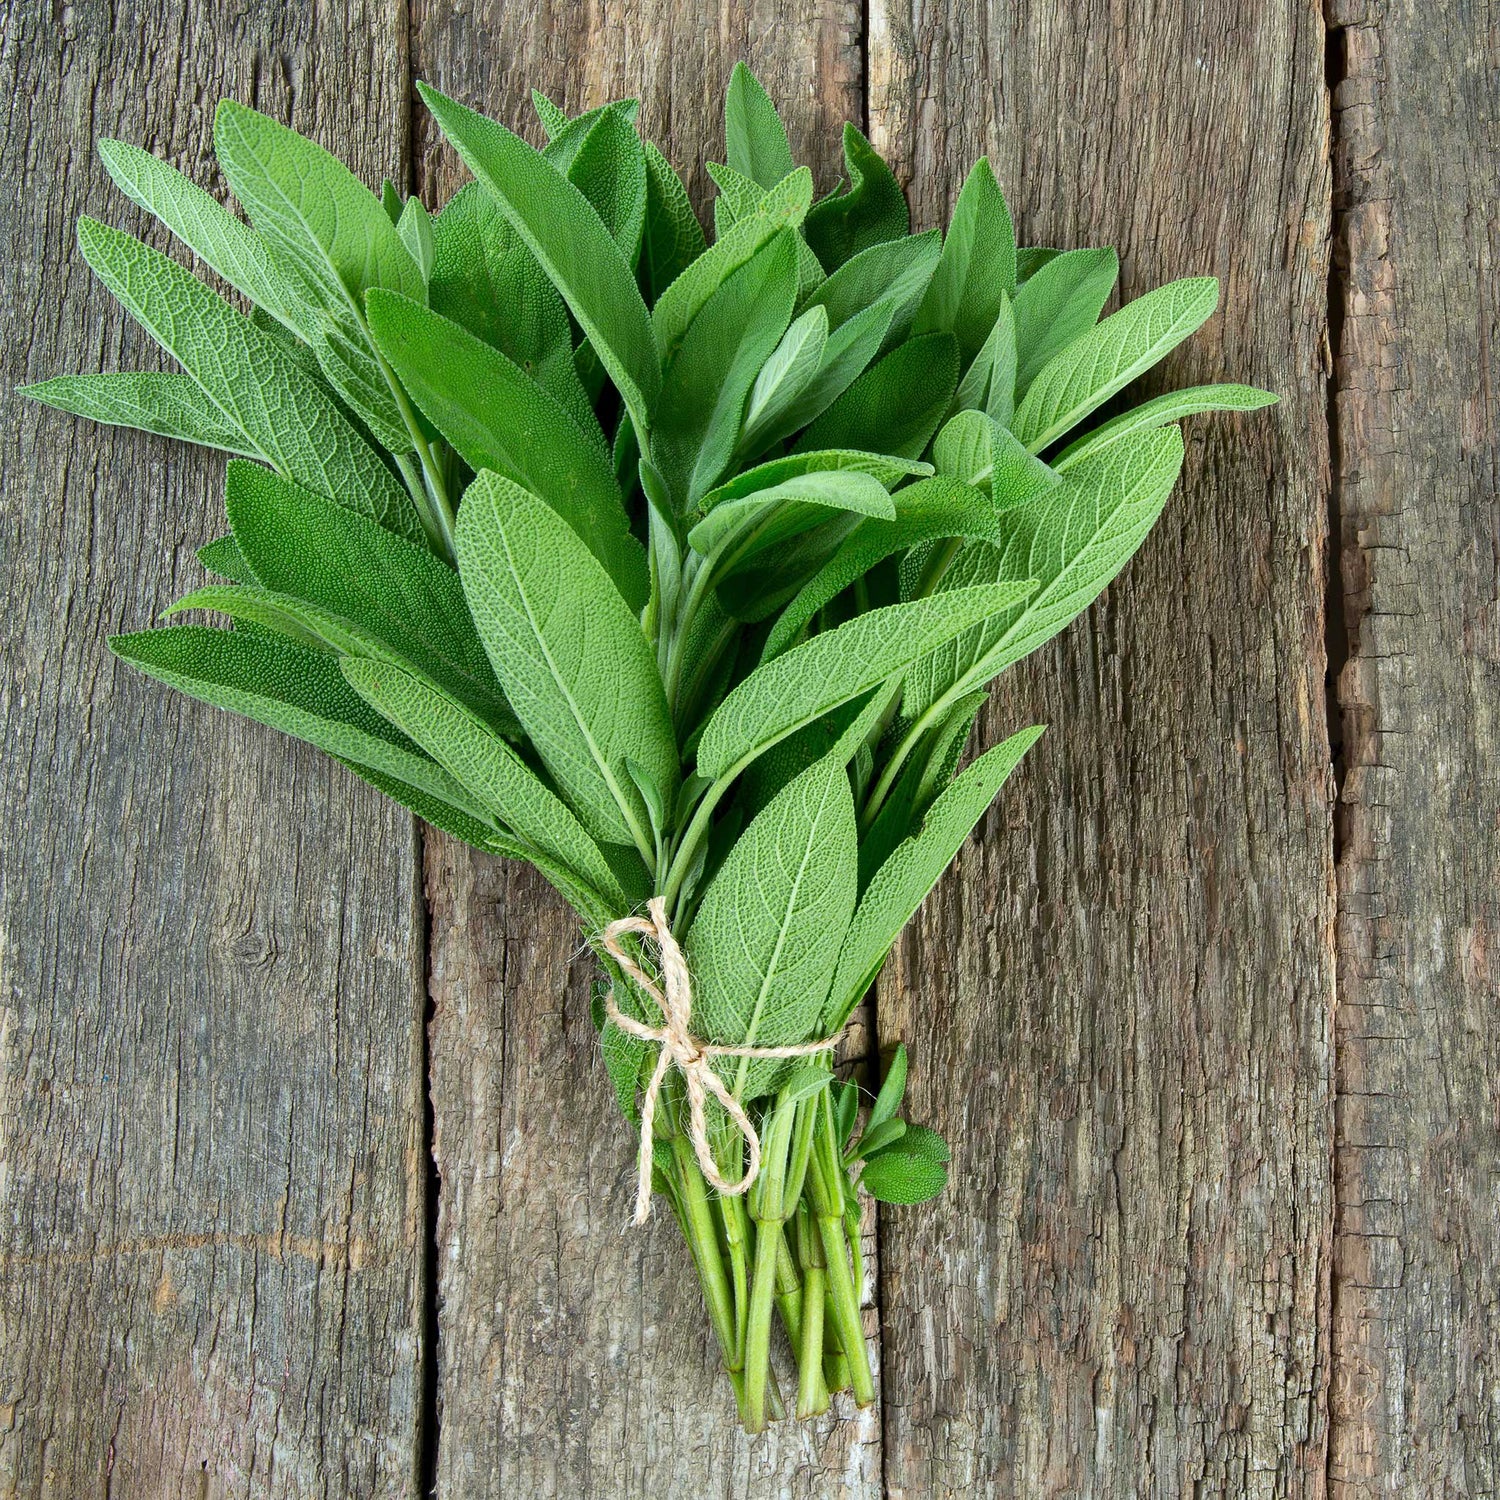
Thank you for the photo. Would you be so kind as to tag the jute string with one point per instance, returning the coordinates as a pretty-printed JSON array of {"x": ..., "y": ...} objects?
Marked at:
[{"x": 692, "y": 1057}]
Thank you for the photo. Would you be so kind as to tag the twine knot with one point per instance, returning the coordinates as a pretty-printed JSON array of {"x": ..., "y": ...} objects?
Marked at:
[{"x": 691, "y": 1056}]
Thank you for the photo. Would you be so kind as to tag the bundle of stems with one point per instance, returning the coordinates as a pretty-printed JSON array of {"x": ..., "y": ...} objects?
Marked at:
[{"x": 677, "y": 565}]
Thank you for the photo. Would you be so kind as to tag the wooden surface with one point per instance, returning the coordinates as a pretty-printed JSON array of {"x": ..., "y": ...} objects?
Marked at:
[{"x": 1221, "y": 1067}]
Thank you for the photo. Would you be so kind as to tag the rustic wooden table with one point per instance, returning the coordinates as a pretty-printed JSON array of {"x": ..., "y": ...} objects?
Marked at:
[{"x": 309, "y": 1180}]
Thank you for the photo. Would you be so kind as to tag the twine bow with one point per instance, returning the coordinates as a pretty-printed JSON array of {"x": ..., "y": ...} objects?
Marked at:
[{"x": 692, "y": 1057}]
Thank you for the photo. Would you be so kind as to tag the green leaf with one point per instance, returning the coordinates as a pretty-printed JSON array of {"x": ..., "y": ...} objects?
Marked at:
[
  {"x": 755, "y": 139},
  {"x": 901, "y": 884},
  {"x": 871, "y": 209},
  {"x": 1072, "y": 540},
  {"x": 978, "y": 450},
  {"x": 896, "y": 405},
  {"x": 205, "y": 226},
  {"x": 570, "y": 655},
  {"x": 739, "y": 197},
  {"x": 989, "y": 384},
  {"x": 430, "y": 809},
  {"x": 733, "y": 532},
  {"x": 299, "y": 621},
  {"x": 926, "y": 511},
  {"x": 887, "y": 469},
  {"x": 225, "y": 558},
  {"x": 297, "y": 543},
  {"x": 767, "y": 935},
  {"x": 783, "y": 208},
  {"x": 172, "y": 406},
  {"x": 673, "y": 238},
  {"x": 1058, "y": 303},
  {"x": 609, "y": 169},
  {"x": 892, "y": 1090},
  {"x": 978, "y": 266},
  {"x": 1107, "y": 358},
  {"x": 332, "y": 240},
  {"x": 894, "y": 275},
  {"x": 554, "y": 120},
  {"x": 569, "y": 241},
  {"x": 415, "y": 228},
  {"x": 786, "y": 374},
  {"x": 696, "y": 422},
  {"x": 784, "y": 694},
  {"x": 901, "y": 1176},
  {"x": 487, "y": 281},
  {"x": 480, "y": 760},
  {"x": 1158, "y": 412},
  {"x": 290, "y": 688},
  {"x": 249, "y": 379},
  {"x": 497, "y": 417}
]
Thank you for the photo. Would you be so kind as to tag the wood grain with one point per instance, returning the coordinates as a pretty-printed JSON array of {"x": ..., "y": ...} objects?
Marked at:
[
  {"x": 210, "y": 1186},
  {"x": 1417, "y": 1257},
  {"x": 1119, "y": 1003},
  {"x": 574, "y": 1355}
]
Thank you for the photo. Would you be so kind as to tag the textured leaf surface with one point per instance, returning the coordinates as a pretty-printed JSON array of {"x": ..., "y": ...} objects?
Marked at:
[
  {"x": 1072, "y": 540},
  {"x": 171, "y": 406},
  {"x": 928, "y": 510},
  {"x": 1171, "y": 407},
  {"x": 1107, "y": 358},
  {"x": 870, "y": 209},
  {"x": 289, "y": 688},
  {"x": 246, "y": 375},
  {"x": 497, "y": 417},
  {"x": 978, "y": 266},
  {"x": 569, "y": 241},
  {"x": 739, "y": 528},
  {"x": 673, "y": 238},
  {"x": 794, "y": 689},
  {"x": 755, "y": 139},
  {"x": 569, "y": 654},
  {"x": 902, "y": 882},
  {"x": 767, "y": 935},
  {"x": 977, "y": 449},
  {"x": 297, "y": 543},
  {"x": 896, "y": 405},
  {"x": 1058, "y": 303},
  {"x": 480, "y": 760}
]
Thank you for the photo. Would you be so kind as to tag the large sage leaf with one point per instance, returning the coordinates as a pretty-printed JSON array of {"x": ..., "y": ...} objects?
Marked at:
[
  {"x": 171, "y": 406},
  {"x": 673, "y": 237},
  {"x": 570, "y": 655},
  {"x": 755, "y": 139},
  {"x": 480, "y": 760},
  {"x": 870, "y": 209},
  {"x": 290, "y": 688},
  {"x": 296, "y": 543},
  {"x": 1072, "y": 540},
  {"x": 901, "y": 884},
  {"x": 497, "y": 417},
  {"x": 569, "y": 241},
  {"x": 1060, "y": 301},
  {"x": 896, "y": 405},
  {"x": 1158, "y": 412},
  {"x": 256, "y": 387},
  {"x": 767, "y": 935},
  {"x": 1106, "y": 359},
  {"x": 783, "y": 695}
]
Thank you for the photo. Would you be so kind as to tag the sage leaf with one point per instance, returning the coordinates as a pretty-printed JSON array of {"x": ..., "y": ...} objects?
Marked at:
[
  {"x": 497, "y": 417},
  {"x": 570, "y": 243},
  {"x": 570, "y": 656},
  {"x": 1107, "y": 358},
  {"x": 892, "y": 1090},
  {"x": 290, "y": 688},
  {"x": 870, "y": 209},
  {"x": 755, "y": 139},
  {"x": 767, "y": 935},
  {"x": 672, "y": 238},
  {"x": 901, "y": 884},
  {"x": 896, "y": 405},
  {"x": 901, "y": 1175},
  {"x": 1072, "y": 540},
  {"x": 977, "y": 269},
  {"x": 989, "y": 384},
  {"x": 785, "y": 375},
  {"x": 1060, "y": 301},
  {"x": 298, "y": 543},
  {"x": 1158, "y": 412},
  {"x": 256, "y": 387},
  {"x": 171, "y": 406},
  {"x": 784, "y": 694},
  {"x": 977, "y": 449},
  {"x": 480, "y": 760}
]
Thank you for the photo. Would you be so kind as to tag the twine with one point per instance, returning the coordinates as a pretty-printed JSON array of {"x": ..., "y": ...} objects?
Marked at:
[{"x": 692, "y": 1057}]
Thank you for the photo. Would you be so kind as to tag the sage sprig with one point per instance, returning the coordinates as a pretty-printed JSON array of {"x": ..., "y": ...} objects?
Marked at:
[{"x": 676, "y": 565}]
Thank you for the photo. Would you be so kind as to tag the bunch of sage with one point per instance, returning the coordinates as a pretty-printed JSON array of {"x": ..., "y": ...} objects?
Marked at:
[{"x": 676, "y": 567}]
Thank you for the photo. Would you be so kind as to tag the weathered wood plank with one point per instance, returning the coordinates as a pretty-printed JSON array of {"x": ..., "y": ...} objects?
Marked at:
[
  {"x": 1416, "y": 1334},
  {"x": 1120, "y": 1005},
  {"x": 210, "y": 1184},
  {"x": 574, "y": 1358}
]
